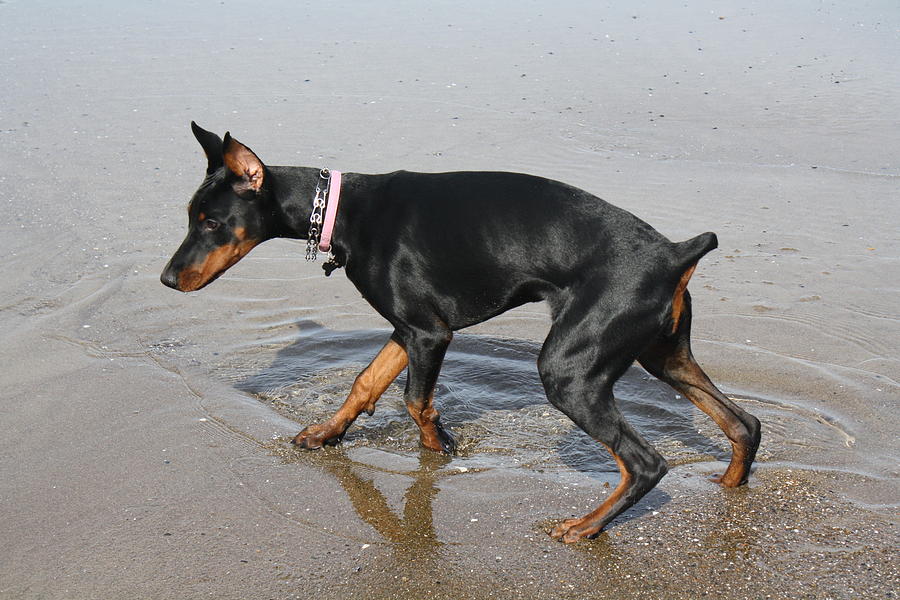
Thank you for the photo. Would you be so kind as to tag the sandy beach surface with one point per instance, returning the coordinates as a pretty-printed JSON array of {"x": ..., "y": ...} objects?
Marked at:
[{"x": 144, "y": 433}]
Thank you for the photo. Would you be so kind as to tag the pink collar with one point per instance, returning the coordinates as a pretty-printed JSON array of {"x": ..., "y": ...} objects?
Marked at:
[{"x": 334, "y": 196}]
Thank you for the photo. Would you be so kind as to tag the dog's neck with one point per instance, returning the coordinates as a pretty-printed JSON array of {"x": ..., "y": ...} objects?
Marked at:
[{"x": 292, "y": 191}]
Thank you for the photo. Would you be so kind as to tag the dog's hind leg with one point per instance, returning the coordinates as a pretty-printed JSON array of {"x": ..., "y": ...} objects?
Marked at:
[
  {"x": 367, "y": 389},
  {"x": 581, "y": 360},
  {"x": 669, "y": 358}
]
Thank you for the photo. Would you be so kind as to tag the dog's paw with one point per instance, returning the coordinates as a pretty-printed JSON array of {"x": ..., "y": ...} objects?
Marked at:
[
  {"x": 438, "y": 439},
  {"x": 448, "y": 442},
  {"x": 726, "y": 481},
  {"x": 316, "y": 436},
  {"x": 572, "y": 530}
]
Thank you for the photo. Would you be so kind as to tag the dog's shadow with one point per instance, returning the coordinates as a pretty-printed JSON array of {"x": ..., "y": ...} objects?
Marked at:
[{"x": 489, "y": 389}]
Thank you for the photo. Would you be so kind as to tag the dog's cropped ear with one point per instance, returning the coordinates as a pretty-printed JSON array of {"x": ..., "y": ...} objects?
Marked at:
[
  {"x": 241, "y": 161},
  {"x": 212, "y": 146}
]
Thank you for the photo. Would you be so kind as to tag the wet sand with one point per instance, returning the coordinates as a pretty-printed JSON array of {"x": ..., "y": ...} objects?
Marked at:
[{"x": 143, "y": 432}]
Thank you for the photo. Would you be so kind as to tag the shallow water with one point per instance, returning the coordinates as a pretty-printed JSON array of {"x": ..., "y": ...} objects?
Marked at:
[{"x": 490, "y": 396}]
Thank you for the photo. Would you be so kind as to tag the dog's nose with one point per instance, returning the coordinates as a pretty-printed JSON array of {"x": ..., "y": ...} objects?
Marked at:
[{"x": 170, "y": 278}]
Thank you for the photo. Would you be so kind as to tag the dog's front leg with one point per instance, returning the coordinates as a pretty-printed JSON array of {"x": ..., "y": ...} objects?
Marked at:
[
  {"x": 367, "y": 389},
  {"x": 426, "y": 354}
]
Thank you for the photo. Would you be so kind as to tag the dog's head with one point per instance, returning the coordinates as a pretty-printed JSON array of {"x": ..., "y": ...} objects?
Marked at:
[{"x": 226, "y": 216}]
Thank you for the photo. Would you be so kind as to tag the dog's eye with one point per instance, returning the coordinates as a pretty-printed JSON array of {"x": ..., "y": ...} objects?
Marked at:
[{"x": 210, "y": 225}]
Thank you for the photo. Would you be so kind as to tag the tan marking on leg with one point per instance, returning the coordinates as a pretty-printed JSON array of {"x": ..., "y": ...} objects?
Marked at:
[
  {"x": 374, "y": 380},
  {"x": 367, "y": 389},
  {"x": 678, "y": 296},
  {"x": 426, "y": 419},
  {"x": 572, "y": 530},
  {"x": 700, "y": 390},
  {"x": 672, "y": 361}
]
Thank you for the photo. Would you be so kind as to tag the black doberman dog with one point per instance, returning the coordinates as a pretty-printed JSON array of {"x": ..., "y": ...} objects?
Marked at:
[{"x": 437, "y": 252}]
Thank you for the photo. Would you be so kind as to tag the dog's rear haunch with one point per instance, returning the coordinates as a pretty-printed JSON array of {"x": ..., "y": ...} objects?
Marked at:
[{"x": 437, "y": 252}]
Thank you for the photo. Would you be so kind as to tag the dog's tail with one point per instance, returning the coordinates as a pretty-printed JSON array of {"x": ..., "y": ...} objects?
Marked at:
[
  {"x": 689, "y": 253},
  {"x": 692, "y": 250}
]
